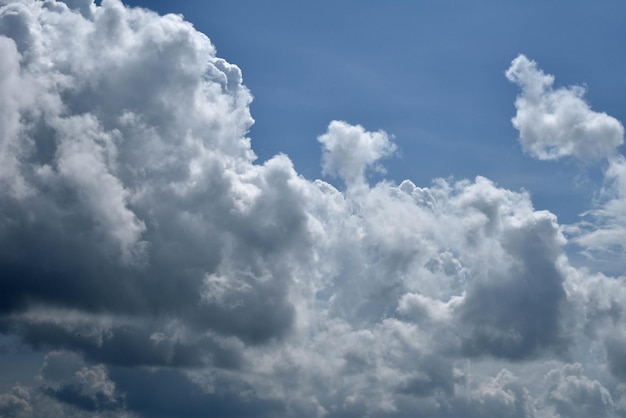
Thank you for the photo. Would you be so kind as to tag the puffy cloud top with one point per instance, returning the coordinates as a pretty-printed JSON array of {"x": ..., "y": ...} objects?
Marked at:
[
  {"x": 556, "y": 123},
  {"x": 350, "y": 150}
]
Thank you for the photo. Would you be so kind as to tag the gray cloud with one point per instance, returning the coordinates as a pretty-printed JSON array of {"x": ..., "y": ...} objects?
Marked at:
[
  {"x": 501, "y": 396},
  {"x": 16, "y": 403},
  {"x": 165, "y": 273},
  {"x": 575, "y": 395}
]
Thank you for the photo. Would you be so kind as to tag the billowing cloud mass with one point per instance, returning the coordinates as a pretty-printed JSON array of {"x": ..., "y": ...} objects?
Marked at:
[{"x": 162, "y": 272}]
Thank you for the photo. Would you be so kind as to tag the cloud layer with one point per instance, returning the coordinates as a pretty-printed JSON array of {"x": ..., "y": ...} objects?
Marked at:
[{"x": 165, "y": 273}]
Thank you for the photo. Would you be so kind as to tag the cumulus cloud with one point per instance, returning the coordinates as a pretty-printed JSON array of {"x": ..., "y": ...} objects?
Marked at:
[
  {"x": 350, "y": 150},
  {"x": 502, "y": 395},
  {"x": 556, "y": 123},
  {"x": 572, "y": 394},
  {"x": 15, "y": 403},
  {"x": 65, "y": 378},
  {"x": 165, "y": 273}
]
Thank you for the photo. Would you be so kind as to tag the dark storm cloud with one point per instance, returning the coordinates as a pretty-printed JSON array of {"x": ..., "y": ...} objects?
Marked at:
[{"x": 168, "y": 393}]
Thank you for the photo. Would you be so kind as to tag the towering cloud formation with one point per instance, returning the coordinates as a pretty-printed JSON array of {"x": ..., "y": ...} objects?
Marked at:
[{"x": 164, "y": 273}]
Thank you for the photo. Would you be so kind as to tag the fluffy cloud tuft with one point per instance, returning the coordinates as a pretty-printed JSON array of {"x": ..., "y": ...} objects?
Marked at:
[
  {"x": 556, "y": 123},
  {"x": 350, "y": 150}
]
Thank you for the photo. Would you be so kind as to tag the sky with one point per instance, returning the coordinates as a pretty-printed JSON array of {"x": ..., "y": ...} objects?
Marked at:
[
  {"x": 429, "y": 73},
  {"x": 329, "y": 209}
]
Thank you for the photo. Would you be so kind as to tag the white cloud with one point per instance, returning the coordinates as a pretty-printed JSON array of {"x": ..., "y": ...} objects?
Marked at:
[
  {"x": 602, "y": 234},
  {"x": 556, "y": 123},
  {"x": 172, "y": 275},
  {"x": 350, "y": 150}
]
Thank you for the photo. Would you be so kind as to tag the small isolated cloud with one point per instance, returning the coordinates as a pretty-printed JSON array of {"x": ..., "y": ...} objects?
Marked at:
[
  {"x": 350, "y": 150},
  {"x": 165, "y": 273},
  {"x": 556, "y": 123}
]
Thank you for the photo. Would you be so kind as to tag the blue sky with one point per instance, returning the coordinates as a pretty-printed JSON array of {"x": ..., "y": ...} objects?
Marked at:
[
  {"x": 152, "y": 266},
  {"x": 429, "y": 73}
]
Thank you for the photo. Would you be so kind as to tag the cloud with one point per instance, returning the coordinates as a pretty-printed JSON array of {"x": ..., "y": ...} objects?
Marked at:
[
  {"x": 86, "y": 387},
  {"x": 602, "y": 232},
  {"x": 165, "y": 273},
  {"x": 501, "y": 396},
  {"x": 575, "y": 395},
  {"x": 556, "y": 123},
  {"x": 16, "y": 403},
  {"x": 350, "y": 150}
]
